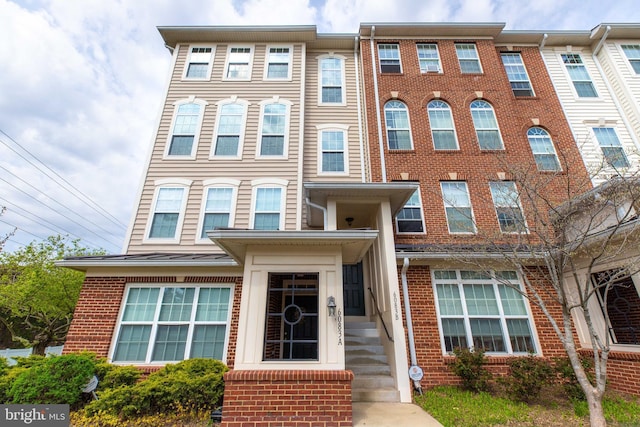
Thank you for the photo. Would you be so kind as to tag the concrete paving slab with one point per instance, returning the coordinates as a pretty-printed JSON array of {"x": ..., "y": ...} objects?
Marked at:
[{"x": 382, "y": 414}]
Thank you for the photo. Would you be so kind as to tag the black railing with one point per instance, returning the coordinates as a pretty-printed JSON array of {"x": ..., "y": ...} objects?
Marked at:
[{"x": 380, "y": 315}]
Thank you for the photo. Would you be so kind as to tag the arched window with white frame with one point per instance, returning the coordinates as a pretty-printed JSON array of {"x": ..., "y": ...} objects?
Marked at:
[
  {"x": 218, "y": 209},
  {"x": 228, "y": 137},
  {"x": 396, "y": 117},
  {"x": 273, "y": 132},
  {"x": 185, "y": 128}
]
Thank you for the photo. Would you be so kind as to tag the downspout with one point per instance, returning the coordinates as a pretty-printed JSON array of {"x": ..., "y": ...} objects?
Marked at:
[
  {"x": 303, "y": 83},
  {"x": 359, "y": 109},
  {"x": 415, "y": 372},
  {"x": 619, "y": 108},
  {"x": 377, "y": 101},
  {"x": 545, "y": 36},
  {"x": 323, "y": 209}
]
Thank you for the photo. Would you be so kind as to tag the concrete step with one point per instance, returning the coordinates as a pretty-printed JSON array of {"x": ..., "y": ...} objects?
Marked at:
[
  {"x": 355, "y": 340},
  {"x": 376, "y": 395},
  {"x": 365, "y": 359},
  {"x": 372, "y": 381},
  {"x": 360, "y": 325},
  {"x": 370, "y": 370},
  {"x": 361, "y": 332},
  {"x": 365, "y": 349}
]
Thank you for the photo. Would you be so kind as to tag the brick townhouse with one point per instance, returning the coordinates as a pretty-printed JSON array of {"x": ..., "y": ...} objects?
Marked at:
[{"x": 295, "y": 202}]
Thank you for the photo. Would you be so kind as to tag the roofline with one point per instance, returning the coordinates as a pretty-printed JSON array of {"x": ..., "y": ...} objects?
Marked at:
[{"x": 82, "y": 264}]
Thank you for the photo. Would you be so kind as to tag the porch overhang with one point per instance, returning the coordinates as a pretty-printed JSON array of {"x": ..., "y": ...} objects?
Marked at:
[{"x": 353, "y": 243}]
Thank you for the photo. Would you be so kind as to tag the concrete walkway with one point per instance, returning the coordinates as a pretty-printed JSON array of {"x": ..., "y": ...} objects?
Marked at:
[{"x": 382, "y": 414}]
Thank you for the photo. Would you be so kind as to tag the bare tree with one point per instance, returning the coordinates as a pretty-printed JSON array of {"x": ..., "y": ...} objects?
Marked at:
[{"x": 573, "y": 245}]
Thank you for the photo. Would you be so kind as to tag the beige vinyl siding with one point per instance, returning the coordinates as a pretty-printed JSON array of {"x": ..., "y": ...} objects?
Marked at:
[
  {"x": 585, "y": 113},
  {"x": 316, "y": 115},
  {"x": 202, "y": 167}
]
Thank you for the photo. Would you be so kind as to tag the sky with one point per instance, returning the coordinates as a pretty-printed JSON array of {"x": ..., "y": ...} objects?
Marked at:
[{"x": 82, "y": 83}]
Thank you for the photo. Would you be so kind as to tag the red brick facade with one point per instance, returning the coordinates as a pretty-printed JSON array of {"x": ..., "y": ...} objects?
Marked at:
[{"x": 287, "y": 398}]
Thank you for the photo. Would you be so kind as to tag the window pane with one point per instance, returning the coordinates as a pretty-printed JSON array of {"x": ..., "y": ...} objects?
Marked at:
[
  {"x": 208, "y": 342},
  {"x": 164, "y": 225},
  {"x": 133, "y": 342},
  {"x": 272, "y": 146},
  {"x": 267, "y": 221},
  {"x": 268, "y": 199},
  {"x": 278, "y": 71},
  {"x": 331, "y": 94},
  {"x": 213, "y": 221},
  {"x": 449, "y": 299},
  {"x": 520, "y": 336},
  {"x": 454, "y": 334},
  {"x": 331, "y": 80},
  {"x": 181, "y": 145},
  {"x": 141, "y": 304},
  {"x": 197, "y": 70},
  {"x": 227, "y": 146},
  {"x": 333, "y": 162},
  {"x": 399, "y": 140},
  {"x": 213, "y": 304},
  {"x": 170, "y": 343},
  {"x": 487, "y": 334},
  {"x": 512, "y": 301},
  {"x": 481, "y": 300},
  {"x": 176, "y": 304}
]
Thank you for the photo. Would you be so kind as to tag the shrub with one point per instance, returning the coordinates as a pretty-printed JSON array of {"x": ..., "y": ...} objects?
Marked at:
[
  {"x": 568, "y": 376},
  {"x": 527, "y": 376},
  {"x": 186, "y": 386},
  {"x": 7, "y": 379},
  {"x": 53, "y": 380},
  {"x": 113, "y": 376},
  {"x": 469, "y": 366}
]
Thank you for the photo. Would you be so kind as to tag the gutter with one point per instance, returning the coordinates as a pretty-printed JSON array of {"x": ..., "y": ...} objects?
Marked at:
[{"x": 415, "y": 372}]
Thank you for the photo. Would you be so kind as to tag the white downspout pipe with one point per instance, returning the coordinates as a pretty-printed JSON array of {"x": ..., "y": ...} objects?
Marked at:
[
  {"x": 407, "y": 312},
  {"x": 359, "y": 109},
  {"x": 377, "y": 101},
  {"x": 323, "y": 209}
]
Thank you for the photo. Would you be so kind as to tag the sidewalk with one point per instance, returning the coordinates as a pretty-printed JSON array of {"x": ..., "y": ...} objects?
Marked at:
[{"x": 379, "y": 414}]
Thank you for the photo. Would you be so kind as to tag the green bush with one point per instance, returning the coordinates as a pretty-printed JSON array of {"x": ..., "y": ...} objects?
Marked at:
[
  {"x": 53, "y": 380},
  {"x": 568, "y": 376},
  {"x": 527, "y": 376},
  {"x": 469, "y": 366},
  {"x": 7, "y": 379},
  {"x": 113, "y": 376},
  {"x": 188, "y": 385}
]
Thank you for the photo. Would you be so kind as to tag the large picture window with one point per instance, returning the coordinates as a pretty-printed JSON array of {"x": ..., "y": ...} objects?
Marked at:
[
  {"x": 620, "y": 303},
  {"x": 291, "y": 330},
  {"x": 476, "y": 311},
  {"x": 168, "y": 324}
]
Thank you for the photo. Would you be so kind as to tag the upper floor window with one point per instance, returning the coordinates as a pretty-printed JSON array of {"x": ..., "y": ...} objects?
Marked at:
[
  {"x": 632, "y": 51},
  {"x": 333, "y": 150},
  {"x": 199, "y": 62},
  {"x": 611, "y": 147},
  {"x": 170, "y": 323},
  {"x": 389, "y": 55},
  {"x": 507, "y": 204},
  {"x": 185, "y": 129},
  {"x": 543, "y": 150},
  {"x": 517, "y": 74},
  {"x": 486, "y": 125},
  {"x": 229, "y": 130},
  {"x": 579, "y": 75},
  {"x": 218, "y": 205},
  {"x": 238, "y": 63},
  {"x": 410, "y": 220},
  {"x": 278, "y": 64},
  {"x": 332, "y": 90},
  {"x": 468, "y": 58},
  {"x": 429, "y": 58},
  {"x": 274, "y": 121},
  {"x": 457, "y": 206},
  {"x": 269, "y": 204},
  {"x": 442, "y": 129},
  {"x": 167, "y": 213},
  {"x": 396, "y": 118},
  {"x": 477, "y": 311}
]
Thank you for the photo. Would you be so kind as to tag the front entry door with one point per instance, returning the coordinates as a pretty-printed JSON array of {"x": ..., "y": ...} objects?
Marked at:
[{"x": 353, "y": 290}]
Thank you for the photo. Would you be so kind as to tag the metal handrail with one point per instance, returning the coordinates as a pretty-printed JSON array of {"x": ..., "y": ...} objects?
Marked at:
[{"x": 380, "y": 315}]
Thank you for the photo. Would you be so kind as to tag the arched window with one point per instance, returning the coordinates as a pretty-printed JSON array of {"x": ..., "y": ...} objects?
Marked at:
[
  {"x": 396, "y": 118},
  {"x": 543, "y": 151},
  {"x": 229, "y": 131},
  {"x": 274, "y": 128},
  {"x": 484, "y": 120},
  {"x": 185, "y": 129},
  {"x": 442, "y": 129}
]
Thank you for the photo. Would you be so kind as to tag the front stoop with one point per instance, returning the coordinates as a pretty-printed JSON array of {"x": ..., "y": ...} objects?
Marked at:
[{"x": 366, "y": 358}]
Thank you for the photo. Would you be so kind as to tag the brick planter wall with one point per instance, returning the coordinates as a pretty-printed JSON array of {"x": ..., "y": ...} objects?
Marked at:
[{"x": 287, "y": 398}]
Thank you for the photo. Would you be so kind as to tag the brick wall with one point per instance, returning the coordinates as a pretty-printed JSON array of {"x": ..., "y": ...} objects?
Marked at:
[
  {"x": 623, "y": 372},
  {"x": 287, "y": 398},
  {"x": 96, "y": 314}
]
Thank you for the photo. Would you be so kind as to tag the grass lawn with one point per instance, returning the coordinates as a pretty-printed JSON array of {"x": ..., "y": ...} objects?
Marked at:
[{"x": 453, "y": 407}]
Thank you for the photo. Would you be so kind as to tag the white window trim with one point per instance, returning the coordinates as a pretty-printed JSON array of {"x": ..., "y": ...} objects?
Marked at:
[
  {"x": 553, "y": 145},
  {"x": 453, "y": 124},
  {"x": 188, "y": 62},
  {"x": 380, "y": 61},
  {"x": 343, "y": 61},
  {"x": 345, "y": 131},
  {"x": 622, "y": 53},
  {"x": 384, "y": 115},
  {"x": 168, "y": 183},
  {"x": 219, "y": 105},
  {"x": 572, "y": 87},
  {"x": 475, "y": 129},
  {"x": 234, "y": 184},
  {"x": 517, "y": 203},
  {"x": 196, "y": 137},
  {"x": 116, "y": 334},
  {"x": 269, "y": 183},
  {"x": 424, "y": 228},
  {"x": 526, "y": 72},
  {"x": 287, "y": 119},
  {"x": 226, "y": 62},
  {"x": 600, "y": 148},
  {"x": 440, "y": 68},
  {"x": 503, "y": 317},
  {"x": 475, "y": 48},
  {"x": 289, "y": 64},
  {"x": 444, "y": 203}
]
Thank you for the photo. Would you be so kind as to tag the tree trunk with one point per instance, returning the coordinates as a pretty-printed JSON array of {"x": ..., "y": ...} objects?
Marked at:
[
  {"x": 596, "y": 412},
  {"x": 39, "y": 347}
]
